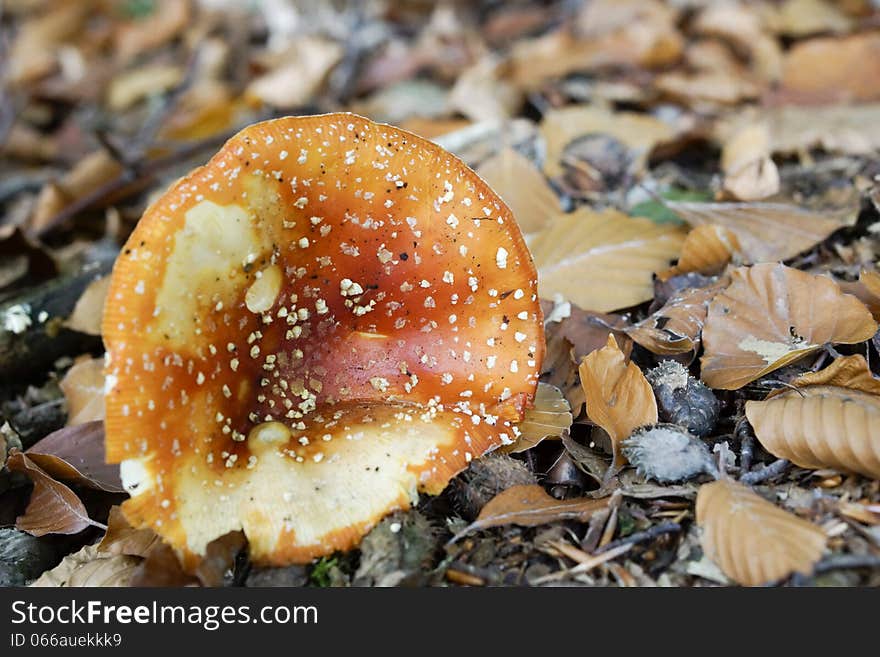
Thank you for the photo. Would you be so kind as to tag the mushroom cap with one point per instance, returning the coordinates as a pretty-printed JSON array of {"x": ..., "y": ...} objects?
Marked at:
[{"x": 329, "y": 317}]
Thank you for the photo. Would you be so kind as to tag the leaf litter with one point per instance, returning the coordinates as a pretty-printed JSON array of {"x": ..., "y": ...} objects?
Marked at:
[{"x": 697, "y": 188}]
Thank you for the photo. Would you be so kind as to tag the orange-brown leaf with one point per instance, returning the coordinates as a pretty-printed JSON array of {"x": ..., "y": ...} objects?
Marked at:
[
  {"x": 753, "y": 541},
  {"x": 770, "y": 316},
  {"x": 122, "y": 538},
  {"x": 706, "y": 250},
  {"x": 529, "y": 505},
  {"x": 89, "y": 308},
  {"x": 676, "y": 327},
  {"x": 619, "y": 397}
]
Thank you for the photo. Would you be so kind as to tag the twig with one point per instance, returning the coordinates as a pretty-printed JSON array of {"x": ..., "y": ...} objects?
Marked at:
[
  {"x": 584, "y": 566},
  {"x": 768, "y": 472},
  {"x": 746, "y": 444},
  {"x": 641, "y": 537},
  {"x": 847, "y": 561}
]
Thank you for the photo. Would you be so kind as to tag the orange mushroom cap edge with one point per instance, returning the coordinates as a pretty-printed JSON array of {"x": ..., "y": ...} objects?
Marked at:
[{"x": 329, "y": 317}]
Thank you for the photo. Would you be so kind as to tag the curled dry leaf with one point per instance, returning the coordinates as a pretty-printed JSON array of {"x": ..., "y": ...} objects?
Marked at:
[
  {"x": 89, "y": 308},
  {"x": 749, "y": 172},
  {"x": 706, "y": 250},
  {"x": 753, "y": 541},
  {"x": 579, "y": 249},
  {"x": 866, "y": 289},
  {"x": 675, "y": 328},
  {"x": 523, "y": 187},
  {"x": 619, "y": 397},
  {"x": 548, "y": 418},
  {"x": 766, "y": 232},
  {"x": 122, "y": 538},
  {"x": 90, "y": 567},
  {"x": 529, "y": 505},
  {"x": 831, "y": 421},
  {"x": 639, "y": 132},
  {"x": 53, "y": 507},
  {"x": 770, "y": 316},
  {"x": 76, "y": 454},
  {"x": 298, "y": 76},
  {"x": 83, "y": 388}
]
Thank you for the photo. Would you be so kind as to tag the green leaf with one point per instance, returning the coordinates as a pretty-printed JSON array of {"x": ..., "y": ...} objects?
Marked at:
[
  {"x": 656, "y": 210},
  {"x": 320, "y": 575}
]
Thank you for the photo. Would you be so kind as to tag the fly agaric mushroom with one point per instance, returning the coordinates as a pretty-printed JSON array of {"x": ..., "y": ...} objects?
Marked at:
[{"x": 329, "y": 317}]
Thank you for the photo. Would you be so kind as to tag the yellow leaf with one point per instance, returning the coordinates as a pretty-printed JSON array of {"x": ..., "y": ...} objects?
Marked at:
[
  {"x": 619, "y": 397},
  {"x": 753, "y": 541},
  {"x": 524, "y": 189},
  {"x": 770, "y": 316},
  {"x": 604, "y": 260}
]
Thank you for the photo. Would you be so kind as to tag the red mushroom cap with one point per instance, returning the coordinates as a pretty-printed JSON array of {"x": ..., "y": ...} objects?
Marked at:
[{"x": 328, "y": 317}]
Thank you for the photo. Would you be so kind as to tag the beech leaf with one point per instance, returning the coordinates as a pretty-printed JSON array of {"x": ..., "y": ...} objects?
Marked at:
[
  {"x": 83, "y": 388},
  {"x": 770, "y": 316},
  {"x": 753, "y": 541},
  {"x": 90, "y": 568},
  {"x": 76, "y": 453}
]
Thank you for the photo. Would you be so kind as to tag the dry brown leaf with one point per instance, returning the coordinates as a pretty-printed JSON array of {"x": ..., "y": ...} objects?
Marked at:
[
  {"x": 831, "y": 421},
  {"x": 53, "y": 507},
  {"x": 753, "y": 541},
  {"x": 90, "y": 568},
  {"x": 34, "y": 52},
  {"x": 89, "y": 308},
  {"x": 481, "y": 93},
  {"x": 131, "y": 87},
  {"x": 122, "y": 538},
  {"x": 676, "y": 327},
  {"x": 706, "y": 250},
  {"x": 523, "y": 187},
  {"x": 549, "y": 416},
  {"x": 300, "y": 74},
  {"x": 86, "y": 176},
  {"x": 619, "y": 397},
  {"x": 529, "y": 505},
  {"x": 83, "y": 388},
  {"x": 76, "y": 454},
  {"x": 767, "y": 232},
  {"x": 866, "y": 289},
  {"x": 749, "y": 172},
  {"x": 163, "y": 567},
  {"x": 578, "y": 250},
  {"x": 833, "y": 70},
  {"x": 164, "y": 23},
  {"x": 770, "y": 316},
  {"x": 799, "y": 18},
  {"x": 743, "y": 26},
  {"x": 639, "y": 132},
  {"x": 715, "y": 87}
]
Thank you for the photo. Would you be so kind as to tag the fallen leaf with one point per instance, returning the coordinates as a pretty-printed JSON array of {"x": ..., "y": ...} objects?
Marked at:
[
  {"x": 131, "y": 87},
  {"x": 618, "y": 396},
  {"x": 122, "y": 538},
  {"x": 770, "y": 316},
  {"x": 549, "y": 416},
  {"x": 90, "y": 568},
  {"x": 299, "y": 75},
  {"x": 76, "y": 453},
  {"x": 53, "y": 507},
  {"x": 676, "y": 327},
  {"x": 482, "y": 94},
  {"x": 522, "y": 187},
  {"x": 749, "y": 172},
  {"x": 714, "y": 87},
  {"x": 639, "y": 132},
  {"x": 83, "y": 388},
  {"x": 587, "y": 460},
  {"x": 167, "y": 19},
  {"x": 87, "y": 175},
  {"x": 706, "y": 250},
  {"x": 832, "y": 419},
  {"x": 529, "y": 505},
  {"x": 163, "y": 567},
  {"x": 766, "y": 232},
  {"x": 833, "y": 70},
  {"x": 800, "y": 18},
  {"x": 753, "y": 541},
  {"x": 89, "y": 308},
  {"x": 866, "y": 290},
  {"x": 577, "y": 251},
  {"x": 34, "y": 52}
]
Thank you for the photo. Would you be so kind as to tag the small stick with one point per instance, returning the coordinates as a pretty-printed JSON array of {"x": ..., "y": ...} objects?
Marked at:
[
  {"x": 847, "y": 561},
  {"x": 641, "y": 537},
  {"x": 768, "y": 472},
  {"x": 584, "y": 566}
]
